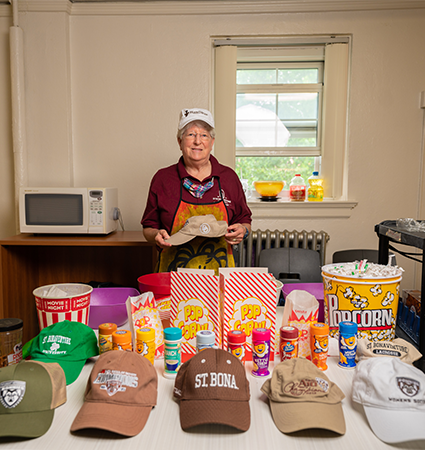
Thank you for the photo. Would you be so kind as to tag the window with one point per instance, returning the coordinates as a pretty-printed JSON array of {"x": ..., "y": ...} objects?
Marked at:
[{"x": 288, "y": 105}]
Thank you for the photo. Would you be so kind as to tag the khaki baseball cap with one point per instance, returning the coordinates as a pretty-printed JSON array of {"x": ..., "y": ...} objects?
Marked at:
[
  {"x": 206, "y": 226},
  {"x": 120, "y": 394},
  {"x": 191, "y": 115},
  {"x": 398, "y": 348},
  {"x": 213, "y": 389},
  {"x": 302, "y": 397}
]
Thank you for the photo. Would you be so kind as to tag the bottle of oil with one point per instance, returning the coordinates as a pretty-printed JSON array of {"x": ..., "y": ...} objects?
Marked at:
[{"x": 315, "y": 190}]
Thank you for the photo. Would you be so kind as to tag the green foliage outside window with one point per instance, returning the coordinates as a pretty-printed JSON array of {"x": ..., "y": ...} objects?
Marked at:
[{"x": 265, "y": 168}]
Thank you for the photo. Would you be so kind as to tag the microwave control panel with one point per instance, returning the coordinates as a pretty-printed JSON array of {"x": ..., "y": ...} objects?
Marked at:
[{"x": 96, "y": 207}]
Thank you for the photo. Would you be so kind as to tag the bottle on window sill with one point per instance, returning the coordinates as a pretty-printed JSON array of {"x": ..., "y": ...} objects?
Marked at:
[
  {"x": 315, "y": 190},
  {"x": 297, "y": 189}
]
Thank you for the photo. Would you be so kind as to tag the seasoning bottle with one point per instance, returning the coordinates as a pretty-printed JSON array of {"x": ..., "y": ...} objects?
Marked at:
[
  {"x": 261, "y": 352},
  {"x": 121, "y": 340},
  {"x": 10, "y": 341},
  {"x": 347, "y": 340},
  {"x": 204, "y": 339},
  {"x": 315, "y": 189},
  {"x": 288, "y": 347},
  {"x": 172, "y": 351},
  {"x": 236, "y": 344},
  {"x": 319, "y": 343},
  {"x": 145, "y": 343},
  {"x": 297, "y": 189},
  {"x": 105, "y": 336}
]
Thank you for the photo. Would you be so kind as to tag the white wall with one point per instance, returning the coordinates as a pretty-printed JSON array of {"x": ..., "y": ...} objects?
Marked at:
[{"x": 104, "y": 92}]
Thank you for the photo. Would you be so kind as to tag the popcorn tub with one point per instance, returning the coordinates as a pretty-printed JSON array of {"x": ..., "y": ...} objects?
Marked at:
[
  {"x": 366, "y": 294},
  {"x": 58, "y": 302}
]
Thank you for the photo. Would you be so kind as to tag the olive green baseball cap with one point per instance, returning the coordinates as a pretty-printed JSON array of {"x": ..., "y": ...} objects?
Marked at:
[
  {"x": 67, "y": 343},
  {"x": 29, "y": 393}
]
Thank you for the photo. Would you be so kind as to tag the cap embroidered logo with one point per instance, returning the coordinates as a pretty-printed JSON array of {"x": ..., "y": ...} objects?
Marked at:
[
  {"x": 11, "y": 393},
  {"x": 408, "y": 386}
]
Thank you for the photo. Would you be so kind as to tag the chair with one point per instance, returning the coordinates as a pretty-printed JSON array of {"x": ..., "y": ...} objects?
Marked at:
[
  {"x": 292, "y": 265},
  {"x": 359, "y": 254}
]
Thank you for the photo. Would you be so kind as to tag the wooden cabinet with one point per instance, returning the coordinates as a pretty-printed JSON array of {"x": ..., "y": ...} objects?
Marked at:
[{"x": 28, "y": 262}]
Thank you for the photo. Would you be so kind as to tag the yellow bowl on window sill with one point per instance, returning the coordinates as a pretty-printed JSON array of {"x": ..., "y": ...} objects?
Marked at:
[{"x": 269, "y": 189}]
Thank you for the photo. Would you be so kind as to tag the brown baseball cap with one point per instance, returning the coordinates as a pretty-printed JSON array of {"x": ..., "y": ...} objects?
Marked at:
[
  {"x": 206, "y": 226},
  {"x": 120, "y": 394},
  {"x": 213, "y": 389},
  {"x": 302, "y": 397}
]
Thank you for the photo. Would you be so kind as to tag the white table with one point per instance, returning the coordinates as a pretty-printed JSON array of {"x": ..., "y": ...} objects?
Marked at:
[{"x": 163, "y": 430}]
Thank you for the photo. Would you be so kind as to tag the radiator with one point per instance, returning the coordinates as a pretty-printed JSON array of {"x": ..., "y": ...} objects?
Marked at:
[{"x": 247, "y": 253}]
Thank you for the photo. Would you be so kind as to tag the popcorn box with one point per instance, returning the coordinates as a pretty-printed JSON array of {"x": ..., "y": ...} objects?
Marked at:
[
  {"x": 194, "y": 306},
  {"x": 248, "y": 301}
]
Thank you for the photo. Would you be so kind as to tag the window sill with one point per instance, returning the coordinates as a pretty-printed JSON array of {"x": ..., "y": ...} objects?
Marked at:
[{"x": 300, "y": 210}]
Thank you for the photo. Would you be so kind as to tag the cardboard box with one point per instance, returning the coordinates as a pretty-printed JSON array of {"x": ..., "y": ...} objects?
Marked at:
[
  {"x": 195, "y": 306},
  {"x": 412, "y": 299},
  {"x": 248, "y": 301}
]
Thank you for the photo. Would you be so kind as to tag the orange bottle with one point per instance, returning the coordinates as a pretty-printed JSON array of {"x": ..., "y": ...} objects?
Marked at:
[
  {"x": 105, "y": 336},
  {"x": 121, "y": 340},
  {"x": 319, "y": 343}
]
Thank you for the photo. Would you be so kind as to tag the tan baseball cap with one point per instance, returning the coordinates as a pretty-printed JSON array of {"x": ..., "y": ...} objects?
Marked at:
[
  {"x": 190, "y": 115},
  {"x": 206, "y": 226},
  {"x": 213, "y": 389},
  {"x": 120, "y": 394},
  {"x": 398, "y": 348},
  {"x": 302, "y": 397}
]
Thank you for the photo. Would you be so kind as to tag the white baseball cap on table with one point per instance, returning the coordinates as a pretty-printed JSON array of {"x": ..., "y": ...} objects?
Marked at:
[
  {"x": 190, "y": 115},
  {"x": 393, "y": 397}
]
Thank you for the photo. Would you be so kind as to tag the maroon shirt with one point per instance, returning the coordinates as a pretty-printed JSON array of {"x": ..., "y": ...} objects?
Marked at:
[{"x": 166, "y": 186}]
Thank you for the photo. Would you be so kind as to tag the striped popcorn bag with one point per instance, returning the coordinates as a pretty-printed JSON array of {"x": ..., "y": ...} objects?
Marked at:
[
  {"x": 194, "y": 306},
  {"x": 248, "y": 301}
]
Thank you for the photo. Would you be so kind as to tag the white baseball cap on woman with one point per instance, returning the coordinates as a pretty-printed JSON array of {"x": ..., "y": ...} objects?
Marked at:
[{"x": 190, "y": 115}]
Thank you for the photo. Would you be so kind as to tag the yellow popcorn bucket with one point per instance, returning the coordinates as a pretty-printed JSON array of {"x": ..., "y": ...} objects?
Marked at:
[{"x": 370, "y": 302}]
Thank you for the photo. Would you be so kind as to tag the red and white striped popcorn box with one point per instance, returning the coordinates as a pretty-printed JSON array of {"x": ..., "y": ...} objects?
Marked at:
[
  {"x": 248, "y": 301},
  {"x": 194, "y": 306}
]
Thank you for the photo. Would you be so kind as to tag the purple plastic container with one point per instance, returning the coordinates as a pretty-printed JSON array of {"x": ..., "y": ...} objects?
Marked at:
[
  {"x": 108, "y": 305},
  {"x": 315, "y": 289}
]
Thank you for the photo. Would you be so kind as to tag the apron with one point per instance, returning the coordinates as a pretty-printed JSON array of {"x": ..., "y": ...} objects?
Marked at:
[{"x": 200, "y": 252}]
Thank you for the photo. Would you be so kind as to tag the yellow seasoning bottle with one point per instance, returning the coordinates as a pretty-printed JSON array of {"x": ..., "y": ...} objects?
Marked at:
[
  {"x": 105, "y": 336},
  {"x": 319, "y": 343},
  {"x": 146, "y": 343},
  {"x": 121, "y": 340}
]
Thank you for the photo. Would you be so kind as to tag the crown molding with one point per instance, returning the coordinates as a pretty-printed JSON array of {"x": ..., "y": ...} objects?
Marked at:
[{"x": 198, "y": 7}]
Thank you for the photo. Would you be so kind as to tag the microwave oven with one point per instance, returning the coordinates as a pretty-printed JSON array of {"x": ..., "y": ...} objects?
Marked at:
[{"x": 68, "y": 210}]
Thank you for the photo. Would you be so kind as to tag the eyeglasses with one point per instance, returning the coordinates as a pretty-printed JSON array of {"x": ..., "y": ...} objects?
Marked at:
[{"x": 202, "y": 136}]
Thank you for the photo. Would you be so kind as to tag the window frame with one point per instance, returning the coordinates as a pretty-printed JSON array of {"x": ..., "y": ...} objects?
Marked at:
[
  {"x": 335, "y": 104},
  {"x": 282, "y": 88}
]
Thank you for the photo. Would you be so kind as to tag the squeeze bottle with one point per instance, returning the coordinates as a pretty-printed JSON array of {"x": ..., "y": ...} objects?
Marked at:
[{"x": 315, "y": 190}]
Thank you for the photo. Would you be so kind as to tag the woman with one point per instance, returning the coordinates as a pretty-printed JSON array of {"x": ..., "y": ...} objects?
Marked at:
[{"x": 197, "y": 185}]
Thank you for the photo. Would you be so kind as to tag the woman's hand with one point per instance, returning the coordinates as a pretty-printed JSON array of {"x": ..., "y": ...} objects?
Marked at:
[
  {"x": 236, "y": 232},
  {"x": 157, "y": 236}
]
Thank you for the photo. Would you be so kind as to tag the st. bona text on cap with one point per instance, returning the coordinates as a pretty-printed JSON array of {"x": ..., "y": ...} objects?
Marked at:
[{"x": 213, "y": 389}]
